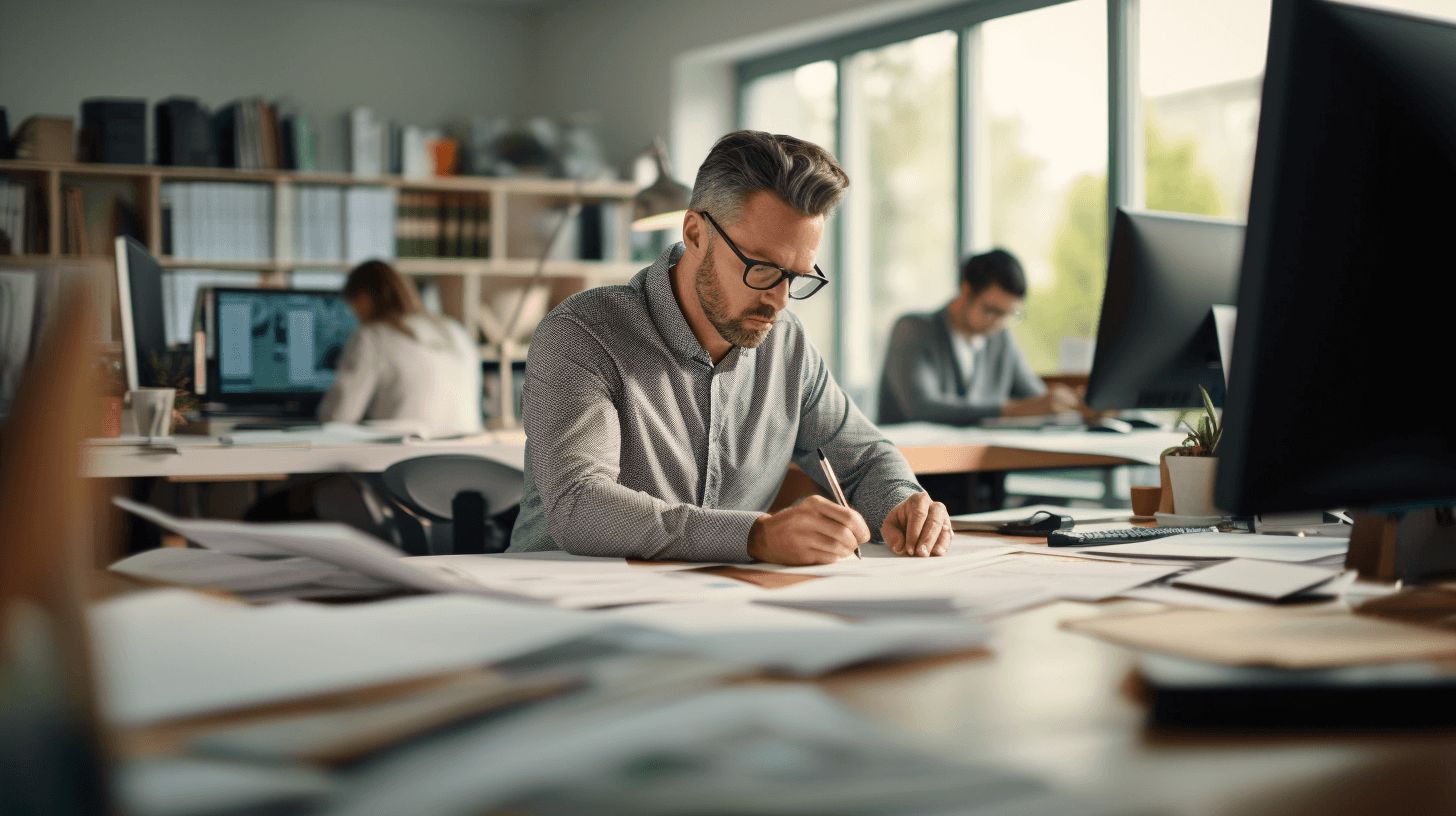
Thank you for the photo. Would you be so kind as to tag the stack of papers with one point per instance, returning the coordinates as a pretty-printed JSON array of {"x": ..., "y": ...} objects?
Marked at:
[
  {"x": 1192, "y": 547},
  {"x": 986, "y": 588}
]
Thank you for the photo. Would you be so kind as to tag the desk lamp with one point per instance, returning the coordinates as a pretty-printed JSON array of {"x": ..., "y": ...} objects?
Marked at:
[{"x": 660, "y": 205}]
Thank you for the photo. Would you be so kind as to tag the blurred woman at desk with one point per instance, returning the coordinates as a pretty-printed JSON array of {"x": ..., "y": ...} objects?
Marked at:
[{"x": 403, "y": 363}]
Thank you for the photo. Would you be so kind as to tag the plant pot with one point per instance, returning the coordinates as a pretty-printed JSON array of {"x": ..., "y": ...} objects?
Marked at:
[{"x": 1192, "y": 478}]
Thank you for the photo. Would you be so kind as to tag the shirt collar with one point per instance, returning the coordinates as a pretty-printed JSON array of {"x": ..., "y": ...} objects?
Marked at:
[
  {"x": 666, "y": 312},
  {"x": 977, "y": 342}
]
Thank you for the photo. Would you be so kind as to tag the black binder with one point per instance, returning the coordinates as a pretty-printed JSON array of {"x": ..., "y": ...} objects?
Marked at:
[{"x": 184, "y": 134}]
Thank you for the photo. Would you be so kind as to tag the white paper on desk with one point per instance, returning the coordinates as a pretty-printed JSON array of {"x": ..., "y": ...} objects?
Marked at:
[
  {"x": 332, "y": 543},
  {"x": 1220, "y": 546},
  {"x": 231, "y": 573},
  {"x": 577, "y": 585},
  {"x": 700, "y": 617},
  {"x": 175, "y": 653},
  {"x": 1081, "y": 515},
  {"x": 879, "y": 559},
  {"x": 175, "y": 786},
  {"x": 1192, "y": 599},
  {"x": 730, "y": 736}
]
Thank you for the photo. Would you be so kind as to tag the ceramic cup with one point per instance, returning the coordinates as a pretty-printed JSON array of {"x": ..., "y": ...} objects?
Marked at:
[
  {"x": 153, "y": 410},
  {"x": 1145, "y": 499}
]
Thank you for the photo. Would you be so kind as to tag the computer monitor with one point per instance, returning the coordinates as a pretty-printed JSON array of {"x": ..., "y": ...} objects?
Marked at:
[
  {"x": 139, "y": 301},
  {"x": 275, "y": 347},
  {"x": 1156, "y": 340},
  {"x": 1345, "y": 309}
]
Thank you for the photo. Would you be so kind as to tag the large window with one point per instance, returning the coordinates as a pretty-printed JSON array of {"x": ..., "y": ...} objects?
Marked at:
[
  {"x": 900, "y": 134},
  {"x": 1201, "y": 70},
  {"x": 1043, "y": 86},
  {"x": 991, "y": 124},
  {"x": 804, "y": 102}
]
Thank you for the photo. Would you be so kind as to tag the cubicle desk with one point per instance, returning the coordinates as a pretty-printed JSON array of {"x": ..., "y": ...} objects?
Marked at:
[
  {"x": 944, "y": 449},
  {"x": 1064, "y": 706}
]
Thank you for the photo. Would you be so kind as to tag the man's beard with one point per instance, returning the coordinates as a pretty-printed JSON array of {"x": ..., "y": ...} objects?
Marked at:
[{"x": 710, "y": 297}]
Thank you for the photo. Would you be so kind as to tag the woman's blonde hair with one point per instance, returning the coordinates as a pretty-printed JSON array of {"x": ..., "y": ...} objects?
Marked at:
[{"x": 392, "y": 296}]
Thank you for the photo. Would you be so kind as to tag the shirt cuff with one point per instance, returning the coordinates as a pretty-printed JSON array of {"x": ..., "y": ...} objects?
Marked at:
[{"x": 721, "y": 535}]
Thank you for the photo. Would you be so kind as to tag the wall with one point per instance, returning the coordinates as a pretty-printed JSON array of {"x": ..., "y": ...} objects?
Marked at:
[
  {"x": 419, "y": 62},
  {"x": 665, "y": 67}
]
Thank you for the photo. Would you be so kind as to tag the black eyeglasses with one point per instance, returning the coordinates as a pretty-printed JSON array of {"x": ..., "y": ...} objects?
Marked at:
[{"x": 763, "y": 275}]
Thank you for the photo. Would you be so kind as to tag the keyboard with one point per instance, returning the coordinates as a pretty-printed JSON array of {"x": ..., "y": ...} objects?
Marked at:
[{"x": 1121, "y": 535}]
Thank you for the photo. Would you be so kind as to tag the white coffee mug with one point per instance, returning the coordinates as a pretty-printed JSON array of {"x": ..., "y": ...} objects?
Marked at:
[{"x": 153, "y": 410}]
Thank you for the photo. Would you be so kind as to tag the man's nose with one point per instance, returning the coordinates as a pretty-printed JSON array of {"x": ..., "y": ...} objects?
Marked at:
[{"x": 778, "y": 297}]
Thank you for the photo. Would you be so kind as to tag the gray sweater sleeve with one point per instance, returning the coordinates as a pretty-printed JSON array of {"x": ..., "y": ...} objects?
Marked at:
[
  {"x": 1025, "y": 383},
  {"x": 913, "y": 376}
]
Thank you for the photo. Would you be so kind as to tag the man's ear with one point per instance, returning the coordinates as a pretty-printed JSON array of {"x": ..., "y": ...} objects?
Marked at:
[{"x": 695, "y": 232}]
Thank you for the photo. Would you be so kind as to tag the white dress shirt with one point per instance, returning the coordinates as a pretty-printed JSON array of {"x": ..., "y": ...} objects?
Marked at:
[{"x": 432, "y": 378}]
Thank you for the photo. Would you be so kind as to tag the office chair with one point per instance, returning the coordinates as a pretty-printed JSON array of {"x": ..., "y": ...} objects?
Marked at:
[{"x": 463, "y": 503}]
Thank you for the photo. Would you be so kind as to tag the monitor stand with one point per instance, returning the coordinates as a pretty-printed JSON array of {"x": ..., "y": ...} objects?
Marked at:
[{"x": 1411, "y": 546}]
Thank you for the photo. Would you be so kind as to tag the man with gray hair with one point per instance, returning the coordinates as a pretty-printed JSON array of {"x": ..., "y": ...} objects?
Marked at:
[{"x": 662, "y": 415}]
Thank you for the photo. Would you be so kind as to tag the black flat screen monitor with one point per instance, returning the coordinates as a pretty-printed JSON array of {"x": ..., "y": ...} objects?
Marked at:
[
  {"x": 1338, "y": 396},
  {"x": 274, "y": 345},
  {"x": 1156, "y": 341}
]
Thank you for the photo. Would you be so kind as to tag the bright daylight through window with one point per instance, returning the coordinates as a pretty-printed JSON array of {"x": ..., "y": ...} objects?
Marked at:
[
  {"x": 803, "y": 102},
  {"x": 1031, "y": 145}
]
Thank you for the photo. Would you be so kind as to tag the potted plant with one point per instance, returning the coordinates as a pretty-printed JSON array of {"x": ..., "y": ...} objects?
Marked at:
[
  {"x": 1189, "y": 469},
  {"x": 171, "y": 372}
]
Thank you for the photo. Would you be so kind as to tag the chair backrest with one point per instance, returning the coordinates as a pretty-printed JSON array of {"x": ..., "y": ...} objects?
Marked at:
[
  {"x": 428, "y": 484},
  {"x": 51, "y": 757}
]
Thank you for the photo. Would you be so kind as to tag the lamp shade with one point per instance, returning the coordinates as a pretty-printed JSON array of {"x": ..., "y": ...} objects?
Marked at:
[{"x": 662, "y": 204}]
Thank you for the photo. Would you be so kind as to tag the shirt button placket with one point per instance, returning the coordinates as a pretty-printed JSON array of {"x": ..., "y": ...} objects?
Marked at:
[{"x": 715, "y": 412}]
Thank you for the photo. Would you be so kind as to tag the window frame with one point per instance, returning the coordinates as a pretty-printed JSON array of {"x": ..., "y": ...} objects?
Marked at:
[{"x": 1125, "y": 182}]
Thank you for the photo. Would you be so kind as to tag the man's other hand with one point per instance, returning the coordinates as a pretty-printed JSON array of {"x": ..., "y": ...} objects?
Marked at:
[
  {"x": 813, "y": 531},
  {"x": 918, "y": 527}
]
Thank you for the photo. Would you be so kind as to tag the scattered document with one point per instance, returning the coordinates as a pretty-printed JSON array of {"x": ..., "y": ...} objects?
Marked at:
[
  {"x": 175, "y": 653},
  {"x": 1283, "y": 637},
  {"x": 1220, "y": 546},
  {"x": 733, "y": 743},
  {"x": 249, "y": 577},
  {"x": 985, "y": 588},
  {"x": 1260, "y": 580},
  {"x": 177, "y": 786},
  {"x": 332, "y": 543}
]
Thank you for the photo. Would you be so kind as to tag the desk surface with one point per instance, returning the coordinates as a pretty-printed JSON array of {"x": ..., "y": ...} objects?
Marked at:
[
  {"x": 928, "y": 448},
  {"x": 203, "y": 457},
  {"x": 1063, "y": 706},
  {"x": 947, "y": 449}
]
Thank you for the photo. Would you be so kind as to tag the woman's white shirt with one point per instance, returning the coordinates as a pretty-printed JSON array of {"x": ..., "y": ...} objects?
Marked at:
[{"x": 433, "y": 378}]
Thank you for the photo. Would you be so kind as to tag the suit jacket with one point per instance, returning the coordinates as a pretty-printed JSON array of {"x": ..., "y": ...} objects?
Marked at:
[{"x": 922, "y": 382}]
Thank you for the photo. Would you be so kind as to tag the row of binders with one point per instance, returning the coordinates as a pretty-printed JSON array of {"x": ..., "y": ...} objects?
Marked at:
[
  {"x": 217, "y": 220},
  {"x": 350, "y": 223},
  {"x": 443, "y": 225}
]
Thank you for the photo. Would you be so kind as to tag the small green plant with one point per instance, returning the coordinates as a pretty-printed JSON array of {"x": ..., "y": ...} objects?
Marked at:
[{"x": 1202, "y": 439}]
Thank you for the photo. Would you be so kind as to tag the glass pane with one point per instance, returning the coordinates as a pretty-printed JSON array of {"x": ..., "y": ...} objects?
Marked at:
[
  {"x": 1200, "y": 69},
  {"x": 804, "y": 102},
  {"x": 1042, "y": 168},
  {"x": 900, "y": 133}
]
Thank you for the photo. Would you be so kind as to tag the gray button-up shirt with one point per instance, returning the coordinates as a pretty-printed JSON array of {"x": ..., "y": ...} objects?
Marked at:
[{"x": 638, "y": 446}]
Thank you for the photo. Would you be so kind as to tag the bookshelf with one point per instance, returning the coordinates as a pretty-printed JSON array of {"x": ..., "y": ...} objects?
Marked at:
[{"x": 520, "y": 214}]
